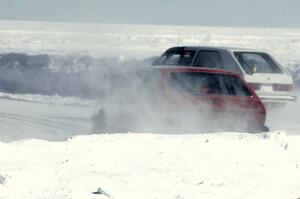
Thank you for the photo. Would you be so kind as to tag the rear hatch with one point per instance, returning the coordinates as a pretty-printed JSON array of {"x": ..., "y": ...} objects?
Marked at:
[{"x": 270, "y": 81}]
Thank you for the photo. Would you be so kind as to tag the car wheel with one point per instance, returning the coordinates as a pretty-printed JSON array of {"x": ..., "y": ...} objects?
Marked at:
[{"x": 257, "y": 127}]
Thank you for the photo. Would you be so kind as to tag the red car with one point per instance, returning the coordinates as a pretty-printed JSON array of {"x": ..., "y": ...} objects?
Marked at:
[
  {"x": 182, "y": 98},
  {"x": 225, "y": 97}
]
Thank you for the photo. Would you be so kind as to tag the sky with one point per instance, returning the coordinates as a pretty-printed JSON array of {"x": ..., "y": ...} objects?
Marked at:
[{"x": 255, "y": 13}]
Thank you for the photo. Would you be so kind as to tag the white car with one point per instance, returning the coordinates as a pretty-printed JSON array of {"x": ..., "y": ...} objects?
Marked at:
[{"x": 272, "y": 82}]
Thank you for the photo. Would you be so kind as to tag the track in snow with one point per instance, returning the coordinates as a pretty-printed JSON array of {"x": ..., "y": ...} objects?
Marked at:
[
  {"x": 21, "y": 119},
  {"x": 25, "y": 119}
]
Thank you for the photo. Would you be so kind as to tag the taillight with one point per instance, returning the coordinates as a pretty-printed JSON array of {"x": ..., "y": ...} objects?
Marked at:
[
  {"x": 283, "y": 87},
  {"x": 255, "y": 86}
]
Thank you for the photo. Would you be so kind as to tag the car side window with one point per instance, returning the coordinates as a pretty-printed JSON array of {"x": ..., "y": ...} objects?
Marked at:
[
  {"x": 195, "y": 83},
  {"x": 235, "y": 86},
  {"x": 172, "y": 60},
  {"x": 208, "y": 59},
  {"x": 208, "y": 84},
  {"x": 179, "y": 57}
]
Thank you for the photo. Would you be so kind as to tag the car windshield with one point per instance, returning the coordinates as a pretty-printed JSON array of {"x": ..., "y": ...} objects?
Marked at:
[
  {"x": 178, "y": 57},
  {"x": 207, "y": 83},
  {"x": 253, "y": 62}
]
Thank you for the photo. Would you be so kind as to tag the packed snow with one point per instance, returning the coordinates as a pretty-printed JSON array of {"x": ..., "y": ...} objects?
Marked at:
[
  {"x": 220, "y": 165},
  {"x": 50, "y": 89}
]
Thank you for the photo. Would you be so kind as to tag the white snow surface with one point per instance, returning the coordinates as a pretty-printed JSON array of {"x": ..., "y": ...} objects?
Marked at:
[
  {"x": 47, "y": 149},
  {"x": 221, "y": 165}
]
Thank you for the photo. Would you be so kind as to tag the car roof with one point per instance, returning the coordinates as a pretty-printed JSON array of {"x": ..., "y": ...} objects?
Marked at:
[
  {"x": 196, "y": 70},
  {"x": 218, "y": 48}
]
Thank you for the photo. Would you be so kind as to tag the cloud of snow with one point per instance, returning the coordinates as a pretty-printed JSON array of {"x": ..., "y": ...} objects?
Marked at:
[
  {"x": 285, "y": 118},
  {"x": 138, "y": 99}
]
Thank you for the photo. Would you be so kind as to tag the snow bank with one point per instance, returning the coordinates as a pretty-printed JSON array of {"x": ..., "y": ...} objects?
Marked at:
[{"x": 220, "y": 165}]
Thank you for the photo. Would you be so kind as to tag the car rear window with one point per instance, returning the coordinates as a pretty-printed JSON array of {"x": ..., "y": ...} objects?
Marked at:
[
  {"x": 178, "y": 57},
  {"x": 253, "y": 62},
  {"x": 208, "y": 83}
]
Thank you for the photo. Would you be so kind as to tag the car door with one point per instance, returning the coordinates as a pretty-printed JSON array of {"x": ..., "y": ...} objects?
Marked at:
[{"x": 216, "y": 91}]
